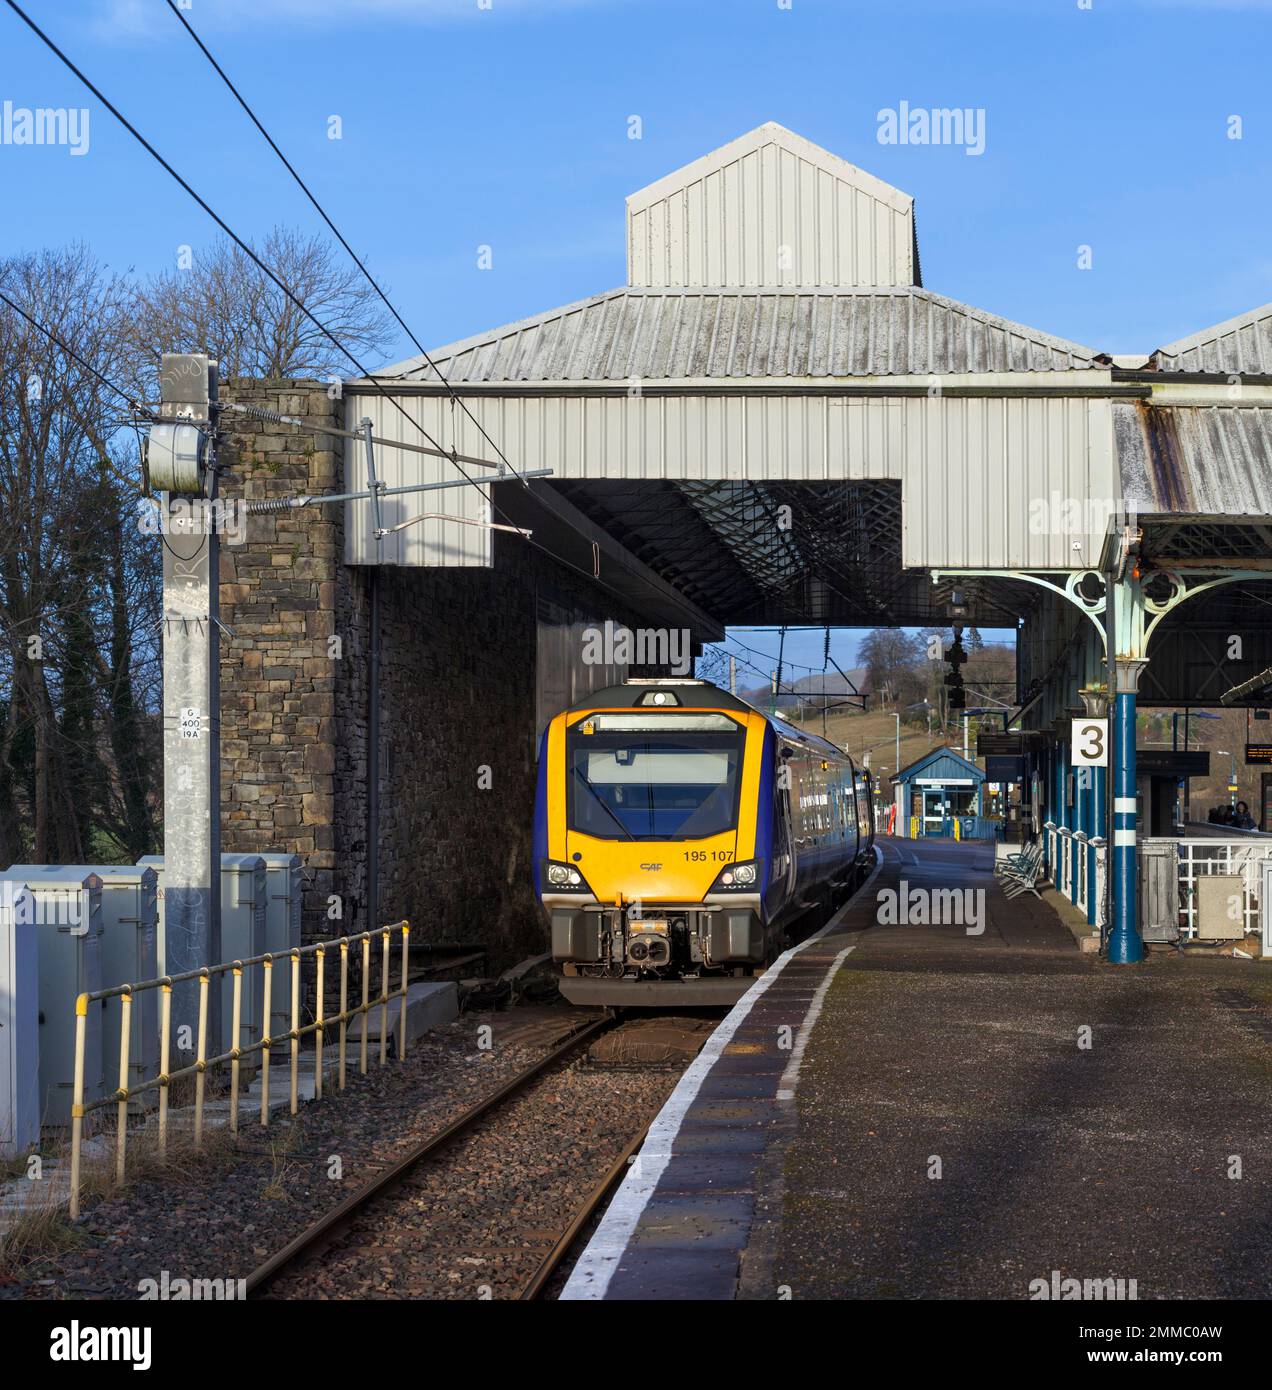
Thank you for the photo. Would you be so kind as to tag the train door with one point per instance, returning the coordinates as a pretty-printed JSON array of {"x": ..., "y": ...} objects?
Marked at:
[
  {"x": 848, "y": 801},
  {"x": 784, "y": 831}
]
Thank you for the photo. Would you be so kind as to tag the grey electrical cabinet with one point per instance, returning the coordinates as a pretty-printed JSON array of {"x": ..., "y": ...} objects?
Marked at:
[
  {"x": 19, "y": 1020},
  {"x": 155, "y": 862},
  {"x": 284, "y": 886},
  {"x": 1220, "y": 907},
  {"x": 130, "y": 954},
  {"x": 243, "y": 914},
  {"x": 243, "y": 917},
  {"x": 68, "y": 928},
  {"x": 1265, "y": 905}
]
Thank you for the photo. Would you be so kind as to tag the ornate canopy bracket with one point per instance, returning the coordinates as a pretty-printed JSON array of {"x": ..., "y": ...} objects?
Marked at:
[
  {"x": 1065, "y": 584},
  {"x": 1186, "y": 586}
]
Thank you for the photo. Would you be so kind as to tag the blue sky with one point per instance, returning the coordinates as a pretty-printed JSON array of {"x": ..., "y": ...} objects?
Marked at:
[{"x": 506, "y": 126}]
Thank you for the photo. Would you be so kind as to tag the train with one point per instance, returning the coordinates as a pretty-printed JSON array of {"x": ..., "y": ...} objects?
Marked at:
[{"x": 680, "y": 834}]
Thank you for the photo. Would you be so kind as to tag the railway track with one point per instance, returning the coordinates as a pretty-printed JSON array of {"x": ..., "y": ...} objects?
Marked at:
[{"x": 491, "y": 1205}]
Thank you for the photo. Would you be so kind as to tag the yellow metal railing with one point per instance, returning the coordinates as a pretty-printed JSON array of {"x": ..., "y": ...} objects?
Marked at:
[{"x": 234, "y": 1056}]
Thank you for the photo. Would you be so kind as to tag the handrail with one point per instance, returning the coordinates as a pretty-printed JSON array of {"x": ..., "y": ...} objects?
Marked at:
[{"x": 199, "y": 1067}]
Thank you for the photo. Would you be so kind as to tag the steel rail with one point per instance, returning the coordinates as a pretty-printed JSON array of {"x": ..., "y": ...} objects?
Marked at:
[
  {"x": 554, "y": 1258},
  {"x": 340, "y": 1215}
]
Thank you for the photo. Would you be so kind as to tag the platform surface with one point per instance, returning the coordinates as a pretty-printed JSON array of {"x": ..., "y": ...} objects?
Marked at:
[{"x": 971, "y": 1114}]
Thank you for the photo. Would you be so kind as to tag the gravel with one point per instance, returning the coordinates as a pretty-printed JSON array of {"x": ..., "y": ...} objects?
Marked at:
[
  {"x": 220, "y": 1216},
  {"x": 477, "y": 1221}
]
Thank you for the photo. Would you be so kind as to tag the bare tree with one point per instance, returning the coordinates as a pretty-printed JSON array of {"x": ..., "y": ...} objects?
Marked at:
[
  {"x": 80, "y": 586},
  {"x": 65, "y": 645},
  {"x": 893, "y": 659},
  {"x": 226, "y": 306}
]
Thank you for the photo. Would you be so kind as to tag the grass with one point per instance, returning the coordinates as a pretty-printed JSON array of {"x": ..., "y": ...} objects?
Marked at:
[
  {"x": 276, "y": 1189},
  {"x": 43, "y": 1229},
  {"x": 876, "y": 731}
]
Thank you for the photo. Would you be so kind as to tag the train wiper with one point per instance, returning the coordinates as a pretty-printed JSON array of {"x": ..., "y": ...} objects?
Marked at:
[{"x": 602, "y": 803}]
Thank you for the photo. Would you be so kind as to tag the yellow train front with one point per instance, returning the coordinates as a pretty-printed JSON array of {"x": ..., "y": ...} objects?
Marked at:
[{"x": 679, "y": 833}]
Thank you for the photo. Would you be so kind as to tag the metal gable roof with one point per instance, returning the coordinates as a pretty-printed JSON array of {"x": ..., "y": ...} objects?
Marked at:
[
  {"x": 770, "y": 133},
  {"x": 738, "y": 334},
  {"x": 944, "y": 758},
  {"x": 770, "y": 208},
  {"x": 1240, "y": 345}
]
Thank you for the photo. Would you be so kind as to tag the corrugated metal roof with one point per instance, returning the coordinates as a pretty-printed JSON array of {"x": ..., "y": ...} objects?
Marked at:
[
  {"x": 744, "y": 334},
  {"x": 1204, "y": 460},
  {"x": 1242, "y": 345}
]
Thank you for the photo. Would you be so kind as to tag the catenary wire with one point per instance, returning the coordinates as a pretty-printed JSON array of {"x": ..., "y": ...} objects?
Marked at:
[
  {"x": 248, "y": 251},
  {"x": 455, "y": 398},
  {"x": 335, "y": 231},
  {"x": 137, "y": 406}
]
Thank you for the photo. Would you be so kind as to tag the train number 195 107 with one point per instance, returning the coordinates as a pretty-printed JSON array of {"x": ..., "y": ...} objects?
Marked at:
[{"x": 698, "y": 856}]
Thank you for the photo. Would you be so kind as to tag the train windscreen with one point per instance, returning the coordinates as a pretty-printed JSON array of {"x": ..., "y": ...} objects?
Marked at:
[{"x": 654, "y": 776}]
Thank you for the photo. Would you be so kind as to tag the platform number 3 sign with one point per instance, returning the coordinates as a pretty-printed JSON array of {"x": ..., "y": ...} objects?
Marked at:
[{"x": 1090, "y": 743}]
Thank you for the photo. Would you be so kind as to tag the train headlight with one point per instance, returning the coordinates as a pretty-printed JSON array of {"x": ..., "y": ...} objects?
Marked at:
[
  {"x": 564, "y": 878},
  {"x": 738, "y": 878}
]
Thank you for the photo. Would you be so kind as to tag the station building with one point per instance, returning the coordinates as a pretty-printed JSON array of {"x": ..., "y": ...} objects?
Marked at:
[
  {"x": 936, "y": 791},
  {"x": 773, "y": 420}
]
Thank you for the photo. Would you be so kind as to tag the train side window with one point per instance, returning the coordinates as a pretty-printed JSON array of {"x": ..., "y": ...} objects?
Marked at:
[{"x": 800, "y": 790}]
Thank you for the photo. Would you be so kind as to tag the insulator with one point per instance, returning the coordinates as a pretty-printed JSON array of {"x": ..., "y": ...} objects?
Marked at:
[{"x": 279, "y": 504}]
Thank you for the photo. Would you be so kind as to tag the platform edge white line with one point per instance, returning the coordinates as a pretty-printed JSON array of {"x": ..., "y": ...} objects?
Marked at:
[{"x": 590, "y": 1278}]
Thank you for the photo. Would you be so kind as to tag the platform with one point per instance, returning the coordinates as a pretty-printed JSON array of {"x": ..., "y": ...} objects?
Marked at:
[{"x": 950, "y": 1128}]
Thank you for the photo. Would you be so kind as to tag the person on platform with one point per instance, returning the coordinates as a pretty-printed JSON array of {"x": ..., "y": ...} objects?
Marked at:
[{"x": 1242, "y": 818}]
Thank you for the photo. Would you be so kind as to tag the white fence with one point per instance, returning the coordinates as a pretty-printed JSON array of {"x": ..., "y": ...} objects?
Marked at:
[
  {"x": 1202, "y": 856},
  {"x": 1069, "y": 857}
]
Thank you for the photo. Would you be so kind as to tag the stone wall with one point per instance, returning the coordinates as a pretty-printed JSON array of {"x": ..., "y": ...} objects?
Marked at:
[
  {"x": 279, "y": 729},
  {"x": 458, "y": 651}
]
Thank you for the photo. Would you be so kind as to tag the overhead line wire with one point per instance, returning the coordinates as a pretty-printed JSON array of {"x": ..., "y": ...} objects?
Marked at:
[
  {"x": 137, "y": 405},
  {"x": 450, "y": 454},
  {"x": 544, "y": 499},
  {"x": 207, "y": 207},
  {"x": 371, "y": 280}
]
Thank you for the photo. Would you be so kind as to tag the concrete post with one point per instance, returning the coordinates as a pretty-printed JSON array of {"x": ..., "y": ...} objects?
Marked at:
[{"x": 191, "y": 722}]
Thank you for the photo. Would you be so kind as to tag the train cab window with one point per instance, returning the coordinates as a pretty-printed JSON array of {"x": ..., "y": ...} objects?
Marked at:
[{"x": 655, "y": 776}]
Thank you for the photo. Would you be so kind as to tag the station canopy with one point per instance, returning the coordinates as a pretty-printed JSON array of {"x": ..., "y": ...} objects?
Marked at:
[{"x": 775, "y": 421}]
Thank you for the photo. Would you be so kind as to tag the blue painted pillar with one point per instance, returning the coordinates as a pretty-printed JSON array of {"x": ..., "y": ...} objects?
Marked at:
[{"x": 1125, "y": 944}]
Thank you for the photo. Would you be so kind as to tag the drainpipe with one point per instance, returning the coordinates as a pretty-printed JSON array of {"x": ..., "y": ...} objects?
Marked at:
[{"x": 373, "y": 756}]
